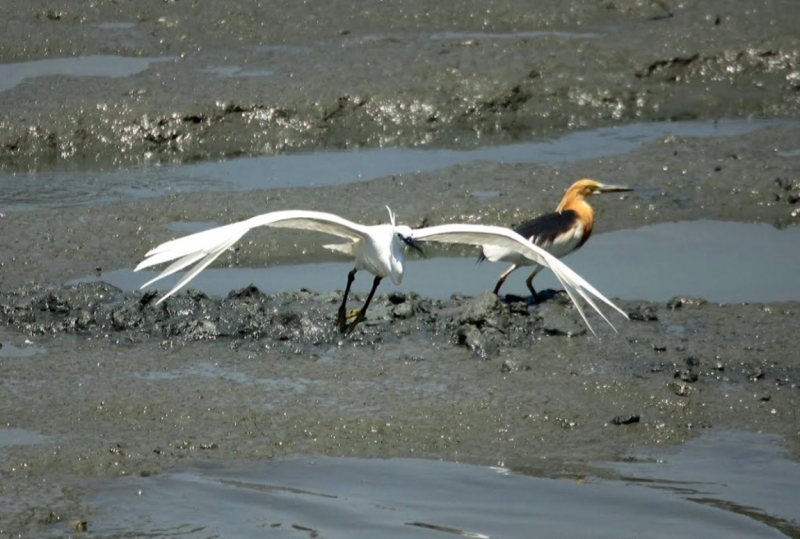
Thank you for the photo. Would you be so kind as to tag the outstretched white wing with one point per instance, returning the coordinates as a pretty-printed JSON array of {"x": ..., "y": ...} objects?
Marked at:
[
  {"x": 204, "y": 247},
  {"x": 508, "y": 239}
]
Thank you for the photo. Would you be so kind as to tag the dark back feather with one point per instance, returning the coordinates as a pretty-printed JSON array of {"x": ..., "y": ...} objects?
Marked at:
[{"x": 545, "y": 228}]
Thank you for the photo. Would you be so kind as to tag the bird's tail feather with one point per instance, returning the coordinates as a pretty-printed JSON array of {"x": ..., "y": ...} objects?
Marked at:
[
  {"x": 572, "y": 283},
  {"x": 202, "y": 247}
]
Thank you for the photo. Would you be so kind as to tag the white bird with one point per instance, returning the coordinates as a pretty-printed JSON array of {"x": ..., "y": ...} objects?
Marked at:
[{"x": 378, "y": 249}]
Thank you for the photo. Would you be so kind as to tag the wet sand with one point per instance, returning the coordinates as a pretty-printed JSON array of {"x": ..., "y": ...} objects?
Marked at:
[{"x": 99, "y": 383}]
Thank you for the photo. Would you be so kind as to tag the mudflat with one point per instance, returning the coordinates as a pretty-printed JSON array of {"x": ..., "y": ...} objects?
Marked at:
[{"x": 99, "y": 382}]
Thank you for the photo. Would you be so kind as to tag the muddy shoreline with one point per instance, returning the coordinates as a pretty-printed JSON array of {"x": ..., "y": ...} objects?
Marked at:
[
  {"x": 121, "y": 387},
  {"x": 104, "y": 384},
  {"x": 239, "y": 80}
]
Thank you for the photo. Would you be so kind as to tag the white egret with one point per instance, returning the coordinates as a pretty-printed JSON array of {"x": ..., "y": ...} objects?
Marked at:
[{"x": 378, "y": 249}]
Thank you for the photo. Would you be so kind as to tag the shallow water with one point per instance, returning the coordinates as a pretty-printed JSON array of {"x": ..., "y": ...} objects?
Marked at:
[
  {"x": 79, "y": 66},
  {"x": 51, "y": 189},
  {"x": 9, "y": 350},
  {"x": 234, "y": 71},
  {"x": 11, "y": 437},
  {"x": 724, "y": 262},
  {"x": 745, "y": 490},
  {"x": 493, "y": 36}
]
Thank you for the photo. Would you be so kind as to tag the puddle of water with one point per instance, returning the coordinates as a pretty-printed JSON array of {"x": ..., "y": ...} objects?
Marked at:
[
  {"x": 79, "y": 66},
  {"x": 338, "y": 497},
  {"x": 236, "y": 72},
  {"x": 13, "y": 437},
  {"x": 485, "y": 195},
  {"x": 9, "y": 350},
  {"x": 737, "y": 471},
  {"x": 31, "y": 191},
  {"x": 341, "y": 167},
  {"x": 726, "y": 262},
  {"x": 655, "y": 263},
  {"x": 116, "y": 25},
  {"x": 460, "y": 36}
]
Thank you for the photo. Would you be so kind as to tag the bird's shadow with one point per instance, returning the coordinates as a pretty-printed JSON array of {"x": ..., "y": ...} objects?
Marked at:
[{"x": 543, "y": 296}]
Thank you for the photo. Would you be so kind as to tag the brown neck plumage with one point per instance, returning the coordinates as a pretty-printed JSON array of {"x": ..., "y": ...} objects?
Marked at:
[{"x": 575, "y": 201}]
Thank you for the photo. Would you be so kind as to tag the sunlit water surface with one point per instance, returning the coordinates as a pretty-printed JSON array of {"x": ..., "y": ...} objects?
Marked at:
[
  {"x": 725, "y": 262},
  {"x": 726, "y": 484},
  {"x": 71, "y": 187}
]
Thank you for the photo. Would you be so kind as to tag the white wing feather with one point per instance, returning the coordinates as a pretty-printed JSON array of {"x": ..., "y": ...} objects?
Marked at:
[
  {"x": 206, "y": 246},
  {"x": 508, "y": 239}
]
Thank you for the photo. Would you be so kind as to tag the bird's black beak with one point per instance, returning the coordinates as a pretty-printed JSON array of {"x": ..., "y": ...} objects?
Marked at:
[
  {"x": 411, "y": 242},
  {"x": 607, "y": 188}
]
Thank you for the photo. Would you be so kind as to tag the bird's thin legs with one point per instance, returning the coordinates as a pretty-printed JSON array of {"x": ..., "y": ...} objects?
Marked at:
[
  {"x": 362, "y": 313},
  {"x": 529, "y": 282},
  {"x": 342, "y": 318},
  {"x": 502, "y": 278}
]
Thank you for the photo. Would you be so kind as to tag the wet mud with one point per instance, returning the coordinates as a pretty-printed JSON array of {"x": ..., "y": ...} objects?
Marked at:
[
  {"x": 247, "y": 80},
  {"x": 121, "y": 386},
  {"x": 97, "y": 382}
]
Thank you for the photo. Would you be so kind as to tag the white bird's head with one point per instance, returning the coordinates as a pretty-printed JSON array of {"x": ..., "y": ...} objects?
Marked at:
[{"x": 402, "y": 238}]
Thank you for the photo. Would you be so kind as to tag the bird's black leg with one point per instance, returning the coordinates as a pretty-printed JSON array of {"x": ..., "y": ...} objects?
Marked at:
[
  {"x": 529, "y": 282},
  {"x": 500, "y": 282},
  {"x": 342, "y": 319},
  {"x": 502, "y": 279},
  {"x": 362, "y": 313}
]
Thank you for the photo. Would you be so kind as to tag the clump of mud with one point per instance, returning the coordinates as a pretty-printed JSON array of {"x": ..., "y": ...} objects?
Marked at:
[{"x": 303, "y": 319}]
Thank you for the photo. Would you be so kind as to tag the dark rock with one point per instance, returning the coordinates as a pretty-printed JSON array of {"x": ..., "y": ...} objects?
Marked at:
[
  {"x": 485, "y": 311},
  {"x": 643, "y": 314},
  {"x": 686, "y": 376},
  {"x": 148, "y": 297},
  {"x": 127, "y": 317},
  {"x": 403, "y": 310},
  {"x": 247, "y": 292},
  {"x": 659, "y": 347},
  {"x": 791, "y": 190},
  {"x": 519, "y": 307},
  {"x": 680, "y": 388},
  {"x": 396, "y": 298},
  {"x": 685, "y": 301},
  {"x": 625, "y": 419},
  {"x": 470, "y": 336},
  {"x": 193, "y": 330}
]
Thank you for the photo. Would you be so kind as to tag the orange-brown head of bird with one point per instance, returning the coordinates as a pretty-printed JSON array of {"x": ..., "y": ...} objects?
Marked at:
[{"x": 575, "y": 199}]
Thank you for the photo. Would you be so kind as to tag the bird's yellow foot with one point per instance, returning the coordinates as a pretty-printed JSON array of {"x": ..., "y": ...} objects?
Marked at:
[
  {"x": 341, "y": 320},
  {"x": 359, "y": 318},
  {"x": 344, "y": 317}
]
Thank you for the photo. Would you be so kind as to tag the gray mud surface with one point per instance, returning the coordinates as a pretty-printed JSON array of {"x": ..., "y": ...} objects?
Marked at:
[{"x": 109, "y": 384}]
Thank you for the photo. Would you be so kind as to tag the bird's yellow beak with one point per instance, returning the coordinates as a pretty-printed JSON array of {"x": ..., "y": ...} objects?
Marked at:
[{"x": 606, "y": 188}]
